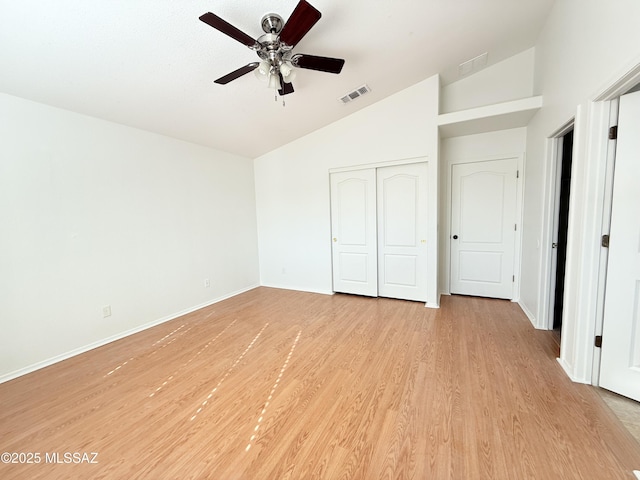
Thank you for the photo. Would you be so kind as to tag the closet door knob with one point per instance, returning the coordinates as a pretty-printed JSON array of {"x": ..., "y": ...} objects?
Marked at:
[{"x": 455, "y": 237}]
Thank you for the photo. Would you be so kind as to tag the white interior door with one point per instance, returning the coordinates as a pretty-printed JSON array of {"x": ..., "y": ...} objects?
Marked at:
[
  {"x": 353, "y": 227},
  {"x": 483, "y": 223},
  {"x": 620, "y": 354},
  {"x": 402, "y": 231}
]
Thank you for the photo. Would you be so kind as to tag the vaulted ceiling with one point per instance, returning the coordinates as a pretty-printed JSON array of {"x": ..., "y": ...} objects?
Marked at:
[{"x": 150, "y": 64}]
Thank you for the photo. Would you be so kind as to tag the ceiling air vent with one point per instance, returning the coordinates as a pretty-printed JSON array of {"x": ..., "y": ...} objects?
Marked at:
[
  {"x": 358, "y": 92},
  {"x": 473, "y": 65}
]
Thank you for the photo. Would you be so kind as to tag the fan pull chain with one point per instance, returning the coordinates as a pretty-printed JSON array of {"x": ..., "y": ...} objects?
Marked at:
[{"x": 275, "y": 98}]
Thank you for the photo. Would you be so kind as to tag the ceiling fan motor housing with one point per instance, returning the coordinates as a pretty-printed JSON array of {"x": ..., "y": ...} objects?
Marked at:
[
  {"x": 272, "y": 49},
  {"x": 272, "y": 23}
]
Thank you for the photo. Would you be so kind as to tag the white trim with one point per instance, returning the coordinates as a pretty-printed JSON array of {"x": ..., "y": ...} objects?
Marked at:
[
  {"x": 433, "y": 305},
  {"x": 552, "y": 174},
  {"x": 621, "y": 82},
  {"x": 527, "y": 312},
  {"x": 517, "y": 254},
  {"x": 607, "y": 201},
  {"x": 637, "y": 474},
  {"x": 389, "y": 163},
  {"x": 548, "y": 221},
  {"x": 553, "y": 234},
  {"x": 568, "y": 371},
  {"x": 299, "y": 289},
  {"x": 583, "y": 244},
  {"x": 77, "y": 351}
]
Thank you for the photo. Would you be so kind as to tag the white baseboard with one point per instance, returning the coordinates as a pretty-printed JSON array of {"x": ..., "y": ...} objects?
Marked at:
[
  {"x": 570, "y": 374},
  {"x": 99, "y": 343},
  {"x": 529, "y": 315},
  {"x": 435, "y": 304},
  {"x": 299, "y": 289}
]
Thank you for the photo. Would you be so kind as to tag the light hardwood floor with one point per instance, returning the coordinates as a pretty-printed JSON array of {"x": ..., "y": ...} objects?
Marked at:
[{"x": 276, "y": 384}]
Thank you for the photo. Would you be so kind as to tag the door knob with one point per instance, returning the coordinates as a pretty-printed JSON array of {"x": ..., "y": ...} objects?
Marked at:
[{"x": 455, "y": 237}]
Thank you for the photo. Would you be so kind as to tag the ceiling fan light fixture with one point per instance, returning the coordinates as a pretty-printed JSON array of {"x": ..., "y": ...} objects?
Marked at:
[
  {"x": 263, "y": 71},
  {"x": 274, "y": 82},
  {"x": 288, "y": 72},
  {"x": 286, "y": 69},
  {"x": 289, "y": 78}
]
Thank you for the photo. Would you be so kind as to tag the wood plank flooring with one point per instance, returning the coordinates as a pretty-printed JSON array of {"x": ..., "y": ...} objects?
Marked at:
[{"x": 276, "y": 384}]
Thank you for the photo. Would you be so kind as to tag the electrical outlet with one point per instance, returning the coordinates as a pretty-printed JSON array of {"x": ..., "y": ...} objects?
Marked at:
[
  {"x": 106, "y": 311},
  {"x": 207, "y": 283}
]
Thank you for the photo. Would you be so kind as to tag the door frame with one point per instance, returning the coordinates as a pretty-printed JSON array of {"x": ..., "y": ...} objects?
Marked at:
[
  {"x": 585, "y": 277},
  {"x": 555, "y": 145},
  {"x": 448, "y": 191}
]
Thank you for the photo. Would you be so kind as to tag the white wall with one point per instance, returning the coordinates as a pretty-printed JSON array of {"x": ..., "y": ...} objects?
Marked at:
[
  {"x": 292, "y": 183},
  {"x": 585, "y": 46},
  {"x": 511, "y": 79},
  {"x": 94, "y": 213}
]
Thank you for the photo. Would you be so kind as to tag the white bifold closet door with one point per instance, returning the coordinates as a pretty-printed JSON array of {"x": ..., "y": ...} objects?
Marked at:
[{"x": 379, "y": 229}]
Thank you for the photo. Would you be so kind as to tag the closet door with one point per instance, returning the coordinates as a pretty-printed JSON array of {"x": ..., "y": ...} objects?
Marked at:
[
  {"x": 353, "y": 228},
  {"x": 402, "y": 231}
]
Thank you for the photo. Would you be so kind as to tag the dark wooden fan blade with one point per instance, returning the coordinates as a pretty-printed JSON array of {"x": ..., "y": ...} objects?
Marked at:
[
  {"x": 237, "y": 73},
  {"x": 322, "y": 64},
  {"x": 303, "y": 17},
  {"x": 228, "y": 29},
  {"x": 286, "y": 88}
]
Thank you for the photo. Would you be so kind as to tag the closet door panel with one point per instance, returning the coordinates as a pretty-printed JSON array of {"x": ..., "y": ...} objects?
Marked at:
[
  {"x": 402, "y": 231},
  {"x": 353, "y": 230}
]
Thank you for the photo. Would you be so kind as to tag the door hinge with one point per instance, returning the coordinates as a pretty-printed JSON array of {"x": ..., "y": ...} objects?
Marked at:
[
  {"x": 605, "y": 241},
  {"x": 517, "y": 173},
  {"x": 598, "y": 342},
  {"x": 613, "y": 132},
  {"x": 515, "y": 227},
  {"x": 513, "y": 278}
]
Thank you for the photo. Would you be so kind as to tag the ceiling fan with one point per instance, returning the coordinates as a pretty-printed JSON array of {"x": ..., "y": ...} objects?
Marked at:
[{"x": 274, "y": 47}]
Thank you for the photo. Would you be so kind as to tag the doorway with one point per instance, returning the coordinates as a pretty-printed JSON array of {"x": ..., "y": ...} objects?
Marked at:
[{"x": 562, "y": 222}]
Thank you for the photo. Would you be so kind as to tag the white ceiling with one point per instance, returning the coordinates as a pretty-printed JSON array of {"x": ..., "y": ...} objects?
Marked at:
[{"x": 150, "y": 64}]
